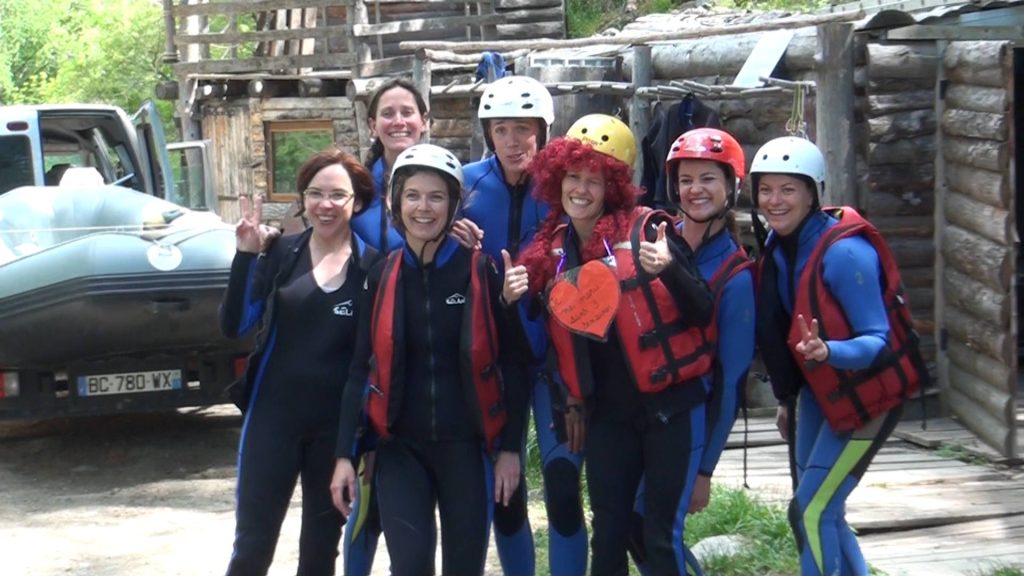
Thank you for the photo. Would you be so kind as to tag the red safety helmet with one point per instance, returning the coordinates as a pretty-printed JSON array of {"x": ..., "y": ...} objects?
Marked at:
[{"x": 707, "y": 144}]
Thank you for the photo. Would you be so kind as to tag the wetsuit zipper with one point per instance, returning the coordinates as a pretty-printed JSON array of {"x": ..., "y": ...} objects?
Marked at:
[
  {"x": 430, "y": 354},
  {"x": 515, "y": 218}
]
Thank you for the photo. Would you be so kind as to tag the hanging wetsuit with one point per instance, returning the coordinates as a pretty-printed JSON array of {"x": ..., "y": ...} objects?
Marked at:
[
  {"x": 658, "y": 432},
  {"x": 667, "y": 123},
  {"x": 433, "y": 451},
  {"x": 828, "y": 465},
  {"x": 292, "y": 385},
  {"x": 362, "y": 532},
  {"x": 727, "y": 269},
  {"x": 509, "y": 216}
]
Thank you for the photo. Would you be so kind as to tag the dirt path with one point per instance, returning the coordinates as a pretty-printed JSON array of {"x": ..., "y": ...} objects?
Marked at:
[{"x": 142, "y": 495}]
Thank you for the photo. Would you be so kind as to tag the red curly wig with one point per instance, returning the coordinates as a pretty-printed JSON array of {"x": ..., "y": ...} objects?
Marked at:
[{"x": 548, "y": 169}]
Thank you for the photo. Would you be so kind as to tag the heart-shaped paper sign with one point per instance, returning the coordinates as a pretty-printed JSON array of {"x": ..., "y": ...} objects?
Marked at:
[{"x": 584, "y": 300}]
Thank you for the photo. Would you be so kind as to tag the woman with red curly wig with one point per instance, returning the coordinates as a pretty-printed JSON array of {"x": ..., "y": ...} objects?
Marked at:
[{"x": 626, "y": 312}]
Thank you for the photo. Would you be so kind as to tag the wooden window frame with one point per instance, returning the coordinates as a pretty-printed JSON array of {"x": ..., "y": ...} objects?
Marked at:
[{"x": 273, "y": 127}]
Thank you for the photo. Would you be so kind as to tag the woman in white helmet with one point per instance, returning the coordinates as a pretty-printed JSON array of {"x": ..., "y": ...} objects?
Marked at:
[
  {"x": 836, "y": 338},
  {"x": 435, "y": 329},
  {"x": 501, "y": 216}
]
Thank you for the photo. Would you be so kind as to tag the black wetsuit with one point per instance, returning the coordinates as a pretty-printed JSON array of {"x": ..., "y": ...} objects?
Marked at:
[
  {"x": 296, "y": 375},
  {"x": 435, "y": 457}
]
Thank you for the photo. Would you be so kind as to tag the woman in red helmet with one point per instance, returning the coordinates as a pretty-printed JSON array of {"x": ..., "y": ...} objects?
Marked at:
[
  {"x": 705, "y": 168},
  {"x": 626, "y": 317}
]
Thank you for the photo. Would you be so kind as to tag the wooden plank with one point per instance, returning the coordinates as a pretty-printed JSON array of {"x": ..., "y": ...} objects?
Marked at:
[
  {"x": 952, "y": 550},
  {"x": 997, "y": 403},
  {"x": 834, "y": 113},
  {"x": 407, "y": 26},
  {"x": 262, "y": 35},
  {"x": 247, "y": 7},
  {"x": 972, "y": 124},
  {"x": 994, "y": 431},
  {"x": 992, "y": 188},
  {"x": 269, "y": 63},
  {"x": 959, "y": 33},
  {"x": 992, "y": 371},
  {"x": 916, "y": 150},
  {"x": 978, "y": 98},
  {"x": 915, "y": 60},
  {"x": 981, "y": 63},
  {"x": 975, "y": 298}
]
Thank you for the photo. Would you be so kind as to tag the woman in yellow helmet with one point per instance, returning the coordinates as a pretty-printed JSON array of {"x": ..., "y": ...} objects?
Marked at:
[{"x": 626, "y": 313}]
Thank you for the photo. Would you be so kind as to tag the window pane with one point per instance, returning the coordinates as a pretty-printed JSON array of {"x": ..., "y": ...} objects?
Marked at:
[
  {"x": 15, "y": 163},
  {"x": 290, "y": 150}
]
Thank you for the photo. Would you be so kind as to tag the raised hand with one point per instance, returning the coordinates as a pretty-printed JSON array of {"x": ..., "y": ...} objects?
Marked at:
[
  {"x": 811, "y": 345},
  {"x": 467, "y": 233},
  {"x": 251, "y": 235},
  {"x": 516, "y": 280},
  {"x": 655, "y": 256}
]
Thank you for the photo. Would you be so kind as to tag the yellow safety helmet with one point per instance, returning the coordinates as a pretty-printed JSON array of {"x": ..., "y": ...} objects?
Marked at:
[{"x": 607, "y": 134}]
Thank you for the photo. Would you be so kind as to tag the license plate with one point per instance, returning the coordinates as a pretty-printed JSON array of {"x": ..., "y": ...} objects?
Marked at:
[{"x": 129, "y": 382}]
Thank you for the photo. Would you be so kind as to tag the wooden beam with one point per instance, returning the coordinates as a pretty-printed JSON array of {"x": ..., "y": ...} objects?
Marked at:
[
  {"x": 264, "y": 64},
  {"x": 640, "y": 108},
  {"x": 992, "y": 431},
  {"x": 263, "y": 35},
  {"x": 248, "y": 7},
  {"x": 956, "y": 33},
  {"x": 977, "y": 257},
  {"x": 985, "y": 220},
  {"x": 834, "y": 113},
  {"x": 975, "y": 298},
  {"x": 995, "y": 373},
  {"x": 627, "y": 39},
  {"x": 423, "y": 24},
  {"x": 421, "y": 77}
]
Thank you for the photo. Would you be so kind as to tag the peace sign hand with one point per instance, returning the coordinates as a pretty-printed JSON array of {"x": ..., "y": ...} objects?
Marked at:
[
  {"x": 251, "y": 235},
  {"x": 811, "y": 345},
  {"x": 655, "y": 256}
]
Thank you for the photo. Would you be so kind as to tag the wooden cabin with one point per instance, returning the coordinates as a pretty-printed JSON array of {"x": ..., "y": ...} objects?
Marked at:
[{"x": 913, "y": 105}]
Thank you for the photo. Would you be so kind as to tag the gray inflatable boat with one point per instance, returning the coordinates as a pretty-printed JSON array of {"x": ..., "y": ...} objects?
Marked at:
[{"x": 89, "y": 273}]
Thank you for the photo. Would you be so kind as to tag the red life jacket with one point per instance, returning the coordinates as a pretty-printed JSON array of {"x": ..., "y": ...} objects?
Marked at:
[
  {"x": 851, "y": 398},
  {"x": 478, "y": 352},
  {"x": 660, "y": 349}
]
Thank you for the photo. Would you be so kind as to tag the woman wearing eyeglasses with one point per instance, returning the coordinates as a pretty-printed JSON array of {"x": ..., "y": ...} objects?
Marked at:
[{"x": 300, "y": 292}]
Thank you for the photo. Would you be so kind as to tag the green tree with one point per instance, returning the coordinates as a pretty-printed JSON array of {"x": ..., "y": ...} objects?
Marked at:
[{"x": 94, "y": 51}]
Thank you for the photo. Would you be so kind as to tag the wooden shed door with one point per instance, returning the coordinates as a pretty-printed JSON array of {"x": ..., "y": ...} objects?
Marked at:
[{"x": 977, "y": 235}]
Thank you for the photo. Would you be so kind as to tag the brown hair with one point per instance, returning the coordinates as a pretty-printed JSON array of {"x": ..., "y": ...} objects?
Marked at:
[{"x": 362, "y": 181}]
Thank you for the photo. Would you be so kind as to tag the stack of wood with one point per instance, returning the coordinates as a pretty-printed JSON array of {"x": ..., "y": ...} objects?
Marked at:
[
  {"x": 897, "y": 186},
  {"x": 978, "y": 243}
]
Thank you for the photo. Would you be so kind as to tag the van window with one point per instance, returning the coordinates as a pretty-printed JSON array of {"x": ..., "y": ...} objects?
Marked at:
[{"x": 15, "y": 163}]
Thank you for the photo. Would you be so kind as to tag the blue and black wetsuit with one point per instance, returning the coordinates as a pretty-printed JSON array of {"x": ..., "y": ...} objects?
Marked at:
[
  {"x": 294, "y": 380},
  {"x": 362, "y": 532},
  {"x": 828, "y": 465},
  {"x": 631, "y": 435},
  {"x": 435, "y": 458},
  {"x": 509, "y": 216},
  {"x": 374, "y": 224},
  {"x": 735, "y": 351}
]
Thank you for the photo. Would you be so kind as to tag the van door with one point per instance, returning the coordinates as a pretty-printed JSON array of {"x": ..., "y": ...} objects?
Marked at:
[
  {"x": 193, "y": 181},
  {"x": 153, "y": 151}
]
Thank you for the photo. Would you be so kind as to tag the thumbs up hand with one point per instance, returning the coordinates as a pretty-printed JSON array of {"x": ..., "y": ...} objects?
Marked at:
[
  {"x": 516, "y": 280},
  {"x": 655, "y": 256}
]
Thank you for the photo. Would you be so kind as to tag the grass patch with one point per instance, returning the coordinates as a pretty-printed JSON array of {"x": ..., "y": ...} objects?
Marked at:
[
  {"x": 772, "y": 550},
  {"x": 955, "y": 451},
  {"x": 1000, "y": 569},
  {"x": 588, "y": 17}
]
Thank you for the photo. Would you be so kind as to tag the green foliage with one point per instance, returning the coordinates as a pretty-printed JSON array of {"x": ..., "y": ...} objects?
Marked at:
[
  {"x": 1001, "y": 569},
  {"x": 89, "y": 51},
  {"x": 588, "y": 17},
  {"x": 772, "y": 550},
  {"x": 955, "y": 451}
]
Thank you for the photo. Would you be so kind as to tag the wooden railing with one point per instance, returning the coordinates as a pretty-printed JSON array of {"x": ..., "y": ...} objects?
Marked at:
[{"x": 290, "y": 37}]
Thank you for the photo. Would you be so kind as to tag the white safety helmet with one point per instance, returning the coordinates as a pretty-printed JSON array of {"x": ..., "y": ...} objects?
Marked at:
[
  {"x": 516, "y": 97},
  {"x": 427, "y": 156},
  {"x": 789, "y": 155}
]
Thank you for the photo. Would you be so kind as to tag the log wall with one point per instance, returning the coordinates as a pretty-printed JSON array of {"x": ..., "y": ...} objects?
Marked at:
[
  {"x": 978, "y": 243},
  {"x": 898, "y": 173},
  {"x": 238, "y": 129}
]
